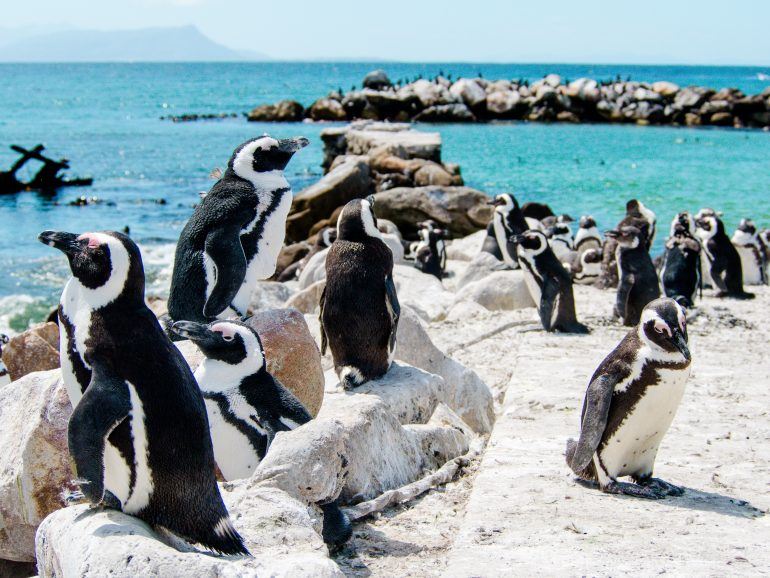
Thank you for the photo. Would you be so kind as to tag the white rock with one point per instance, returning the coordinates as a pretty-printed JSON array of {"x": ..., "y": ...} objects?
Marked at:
[
  {"x": 471, "y": 93},
  {"x": 481, "y": 265},
  {"x": 428, "y": 93},
  {"x": 315, "y": 270},
  {"x": 499, "y": 86},
  {"x": 269, "y": 295},
  {"x": 502, "y": 102},
  {"x": 466, "y": 248},
  {"x": 34, "y": 460},
  {"x": 463, "y": 310},
  {"x": 423, "y": 293},
  {"x": 552, "y": 80},
  {"x": 307, "y": 300},
  {"x": 665, "y": 88},
  {"x": 501, "y": 290}
]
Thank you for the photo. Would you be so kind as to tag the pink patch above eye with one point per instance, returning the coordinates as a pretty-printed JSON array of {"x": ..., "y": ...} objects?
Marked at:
[
  {"x": 93, "y": 242},
  {"x": 225, "y": 330},
  {"x": 662, "y": 327}
]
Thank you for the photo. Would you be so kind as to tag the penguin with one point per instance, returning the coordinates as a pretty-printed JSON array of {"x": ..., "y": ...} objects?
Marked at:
[
  {"x": 630, "y": 404},
  {"x": 635, "y": 211},
  {"x": 589, "y": 267},
  {"x": 587, "y": 236},
  {"x": 430, "y": 252},
  {"x": 235, "y": 234},
  {"x": 752, "y": 253},
  {"x": 548, "y": 282},
  {"x": 138, "y": 433},
  {"x": 723, "y": 261},
  {"x": 685, "y": 220},
  {"x": 559, "y": 234},
  {"x": 638, "y": 282},
  {"x": 247, "y": 406},
  {"x": 764, "y": 239},
  {"x": 637, "y": 215},
  {"x": 323, "y": 240},
  {"x": 359, "y": 306},
  {"x": 680, "y": 274},
  {"x": 507, "y": 220}
]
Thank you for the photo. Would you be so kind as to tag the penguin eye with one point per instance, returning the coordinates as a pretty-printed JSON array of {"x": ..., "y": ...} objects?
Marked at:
[
  {"x": 658, "y": 329},
  {"x": 227, "y": 337}
]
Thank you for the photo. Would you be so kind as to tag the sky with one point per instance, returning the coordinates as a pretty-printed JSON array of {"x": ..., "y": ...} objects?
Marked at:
[{"x": 569, "y": 31}]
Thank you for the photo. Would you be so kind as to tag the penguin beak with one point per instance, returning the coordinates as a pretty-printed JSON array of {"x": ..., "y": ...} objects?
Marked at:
[
  {"x": 191, "y": 330},
  {"x": 292, "y": 145},
  {"x": 67, "y": 243},
  {"x": 496, "y": 202},
  {"x": 681, "y": 344}
]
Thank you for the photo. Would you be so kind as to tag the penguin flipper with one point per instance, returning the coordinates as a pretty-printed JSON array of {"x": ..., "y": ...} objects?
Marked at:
[
  {"x": 394, "y": 309},
  {"x": 596, "y": 409},
  {"x": 548, "y": 294},
  {"x": 625, "y": 283},
  {"x": 321, "y": 304},
  {"x": 104, "y": 405},
  {"x": 223, "y": 247}
]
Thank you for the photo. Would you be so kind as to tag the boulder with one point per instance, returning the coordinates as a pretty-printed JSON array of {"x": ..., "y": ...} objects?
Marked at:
[
  {"x": 691, "y": 97},
  {"x": 471, "y": 93},
  {"x": 645, "y": 94},
  {"x": 268, "y": 295},
  {"x": 666, "y": 89},
  {"x": 432, "y": 173},
  {"x": 350, "y": 179},
  {"x": 504, "y": 104},
  {"x": 307, "y": 300},
  {"x": 283, "y": 111},
  {"x": 377, "y": 80},
  {"x": 289, "y": 255},
  {"x": 34, "y": 460},
  {"x": 721, "y": 119},
  {"x": 428, "y": 93},
  {"x": 481, "y": 265},
  {"x": 37, "y": 349},
  {"x": 314, "y": 271},
  {"x": 501, "y": 290},
  {"x": 567, "y": 116},
  {"x": 396, "y": 139},
  {"x": 446, "y": 113},
  {"x": 466, "y": 248},
  {"x": 585, "y": 89},
  {"x": 423, "y": 293},
  {"x": 396, "y": 247},
  {"x": 460, "y": 210},
  {"x": 326, "y": 109}
]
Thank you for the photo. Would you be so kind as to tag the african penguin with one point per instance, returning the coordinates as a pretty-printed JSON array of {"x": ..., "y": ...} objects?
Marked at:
[
  {"x": 430, "y": 252},
  {"x": 138, "y": 433},
  {"x": 680, "y": 274},
  {"x": 635, "y": 210},
  {"x": 235, "y": 234},
  {"x": 685, "y": 220},
  {"x": 587, "y": 236},
  {"x": 752, "y": 253},
  {"x": 548, "y": 282},
  {"x": 722, "y": 260},
  {"x": 559, "y": 234},
  {"x": 589, "y": 266},
  {"x": 359, "y": 306},
  {"x": 630, "y": 404},
  {"x": 507, "y": 220},
  {"x": 638, "y": 282},
  {"x": 247, "y": 406}
]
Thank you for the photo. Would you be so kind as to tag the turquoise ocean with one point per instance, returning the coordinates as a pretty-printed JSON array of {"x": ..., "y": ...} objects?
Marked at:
[{"x": 106, "y": 119}]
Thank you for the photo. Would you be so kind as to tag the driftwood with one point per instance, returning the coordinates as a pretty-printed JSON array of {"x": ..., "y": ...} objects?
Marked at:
[{"x": 443, "y": 475}]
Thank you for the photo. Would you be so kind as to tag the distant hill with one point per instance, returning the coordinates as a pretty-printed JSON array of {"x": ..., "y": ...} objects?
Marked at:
[{"x": 185, "y": 43}]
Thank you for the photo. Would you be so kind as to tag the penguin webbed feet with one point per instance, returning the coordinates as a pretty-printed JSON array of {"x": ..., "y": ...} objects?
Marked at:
[
  {"x": 660, "y": 485},
  {"x": 635, "y": 490}
]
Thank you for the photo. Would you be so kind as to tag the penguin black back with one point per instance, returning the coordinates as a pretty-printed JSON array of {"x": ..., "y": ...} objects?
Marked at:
[
  {"x": 508, "y": 220},
  {"x": 680, "y": 275},
  {"x": 724, "y": 262}
]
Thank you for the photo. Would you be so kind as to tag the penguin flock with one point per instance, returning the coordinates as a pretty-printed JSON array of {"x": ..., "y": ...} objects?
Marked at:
[{"x": 147, "y": 435}]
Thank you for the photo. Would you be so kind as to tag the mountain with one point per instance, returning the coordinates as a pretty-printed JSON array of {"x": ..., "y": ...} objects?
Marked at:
[{"x": 180, "y": 44}]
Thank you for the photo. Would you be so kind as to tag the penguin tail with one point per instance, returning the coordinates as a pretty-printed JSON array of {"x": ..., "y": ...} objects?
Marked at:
[
  {"x": 570, "y": 453},
  {"x": 575, "y": 327},
  {"x": 224, "y": 539},
  {"x": 351, "y": 377},
  {"x": 337, "y": 528}
]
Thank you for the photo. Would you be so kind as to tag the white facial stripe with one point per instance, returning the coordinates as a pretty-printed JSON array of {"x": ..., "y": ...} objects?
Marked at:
[
  {"x": 214, "y": 375},
  {"x": 119, "y": 262},
  {"x": 327, "y": 237},
  {"x": 243, "y": 165},
  {"x": 368, "y": 220}
]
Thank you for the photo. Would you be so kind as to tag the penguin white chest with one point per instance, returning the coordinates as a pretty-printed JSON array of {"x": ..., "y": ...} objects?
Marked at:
[
  {"x": 531, "y": 281},
  {"x": 236, "y": 457},
  {"x": 633, "y": 447},
  {"x": 78, "y": 312},
  {"x": 750, "y": 264},
  {"x": 502, "y": 240}
]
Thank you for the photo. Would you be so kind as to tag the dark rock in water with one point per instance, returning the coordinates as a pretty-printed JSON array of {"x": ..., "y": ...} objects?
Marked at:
[
  {"x": 283, "y": 111},
  {"x": 326, "y": 109},
  {"x": 446, "y": 113},
  {"x": 537, "y": 211},
  {"x": 377, "y": 80},
  {"x": 191, "y": 117},
  {"x": 567, "y": 116},
  {"x": 460, "y": 210}
]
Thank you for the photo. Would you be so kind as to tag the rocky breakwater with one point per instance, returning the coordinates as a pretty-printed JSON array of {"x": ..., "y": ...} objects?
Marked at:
[
  {"x": 551, "y": 98},
  {"x": 403, "y": 167}
]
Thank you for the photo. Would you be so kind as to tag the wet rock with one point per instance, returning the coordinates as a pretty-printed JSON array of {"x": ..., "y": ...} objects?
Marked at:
[
  {"x": 283, "y": 111},
  {"x": 37, "y": 349},
  {"x": 377, "y": 80}
]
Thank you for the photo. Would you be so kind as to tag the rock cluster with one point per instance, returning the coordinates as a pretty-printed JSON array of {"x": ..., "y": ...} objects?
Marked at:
[{"x": 551, "y": 98}]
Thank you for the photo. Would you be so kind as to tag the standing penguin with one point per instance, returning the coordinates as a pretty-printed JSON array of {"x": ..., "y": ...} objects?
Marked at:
[
  {"x": 680, "y": 274},
  {"x": 430, "y": 251},
  {"x": 723, "y": 261},
  {"x": 638, "y": 281},
  {"x": 359, "y": 307},
  {"x": 247, "y": 406},
  {"x": 235, "y": 234},
  {"x": 548, "y": 282},
  {"x": 138, "y": 433},
  {"x": 752, "y": 253},
  {"x": 685, "y": 221},
  {"x": 630, "y": 404},
  {"x": 507, "y": 220},
  {"x": 635, "y": 210}
]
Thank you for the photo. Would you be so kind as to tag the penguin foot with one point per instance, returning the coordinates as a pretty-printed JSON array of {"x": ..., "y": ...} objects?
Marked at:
[
  {"x": 74, "y": 497},
  {"x": 336, "y": 526},
  {"x": 661, "y": 486},
  {"x": 635, "y": 490}
]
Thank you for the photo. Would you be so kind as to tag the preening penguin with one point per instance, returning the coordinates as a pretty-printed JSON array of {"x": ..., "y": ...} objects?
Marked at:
[
  {"x": 548, "y": 282},
  {"x": 430, "y": 251},
  {"x": 138, "y": 433},
  {"x": 637, "y": 279},
  {"x": 723, "y": 261},
  {"x": 630, "y": 404},
  {"x": 235, "y": 234},
  {"x": 507, "y": 220},
  {"x": 359, "y": 307},
  {"x": 680, "y": 275},
  {"x": 246, "y": 405},
  {"x": 752, "y": 253}
]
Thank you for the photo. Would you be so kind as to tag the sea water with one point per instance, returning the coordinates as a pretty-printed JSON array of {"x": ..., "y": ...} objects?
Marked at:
[{"x": 148, "y": 172}]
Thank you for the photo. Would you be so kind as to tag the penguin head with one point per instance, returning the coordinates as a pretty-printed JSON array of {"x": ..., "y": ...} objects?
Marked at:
[
  {"x": 747, "y": 226},
  {"x": 587, "y": 222},
  {"x": 357, "y": 221},
  {"x": 530, "y": 242},
  {"x": 264, "y": 154},
  {"x": 504, "y": 203},
  {"x": 635, "y": 208},
  {"x": 230, "y": 342},
  {"x": 764, "y": 237},
  {"x": 708, "y": 225},
  {"x": 107, "y": 265},
  {"x": 326, "y": 237},
  {"x": 627, "y": 236},
  {"x": 685, "y": 222},
  {"x": 663, "y": 326}
]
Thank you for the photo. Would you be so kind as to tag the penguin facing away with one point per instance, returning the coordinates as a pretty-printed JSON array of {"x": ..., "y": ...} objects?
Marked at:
[
  {"x": 636, "y": 212},
  {"x": 548, "y": 282},
  {"x": 638, "y": 282},
  {"x": 139, "y": 427},
  {"x": 723, "y": 261},
  {"x": 430, "y": 251},
  {"x": 680, "y": 274},
  {"x": 751, "y": 252},
  {"x": 507, "y": 220},
  {"x": 233, "y": 238},
  {"x": 630, "y": 403},
  {"x": 359, "y": 307},
  {"x": 587, "y": 236},
  {"x": 247, "y": 406}
]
